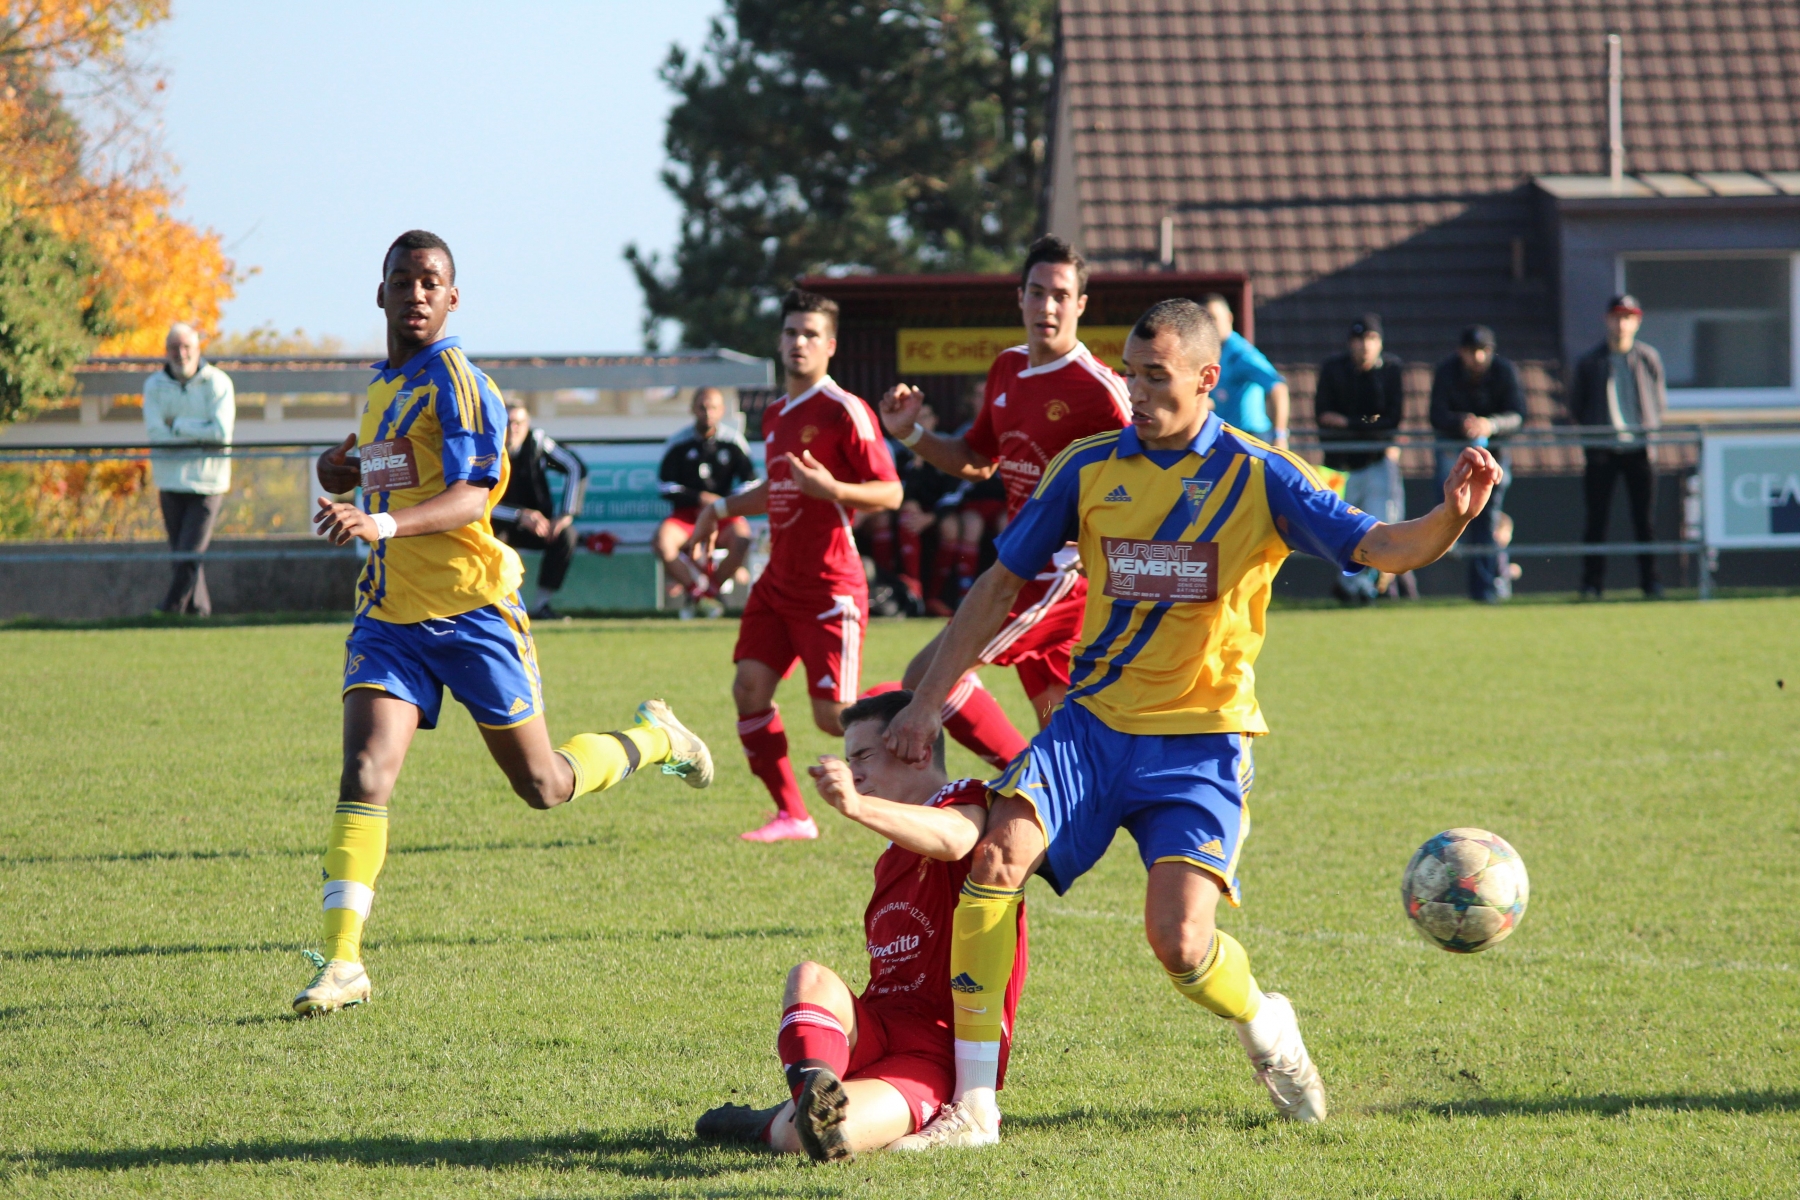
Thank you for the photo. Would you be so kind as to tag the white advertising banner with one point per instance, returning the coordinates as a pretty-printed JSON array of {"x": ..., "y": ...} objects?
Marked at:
[{"x": 1752, "y": 491}]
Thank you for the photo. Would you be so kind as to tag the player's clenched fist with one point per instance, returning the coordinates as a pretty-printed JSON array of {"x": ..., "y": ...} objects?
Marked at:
[
  {"x": 900, "y": 406},
  {"x": 837, "y": 787},
  {"x": 813, "y": 477},
  {"x": 912, "y": 735},
  {"x": 339, "y": 470}
]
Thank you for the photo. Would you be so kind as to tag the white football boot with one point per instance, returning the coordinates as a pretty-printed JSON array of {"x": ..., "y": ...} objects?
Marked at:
[
  {"x": 689, "y": 759},
  {"x": 335, "y": 984},
  {"x": 1272, "y": 1042},
  {"x": 955, "y": 1127}
]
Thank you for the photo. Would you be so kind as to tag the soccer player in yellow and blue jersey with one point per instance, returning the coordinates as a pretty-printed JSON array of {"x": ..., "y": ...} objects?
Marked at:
[
  {"x": 1182, "y": 522},
  {"x": 437, "y": 606}
]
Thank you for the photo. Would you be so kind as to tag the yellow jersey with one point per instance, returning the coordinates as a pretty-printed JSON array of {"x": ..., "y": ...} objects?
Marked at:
[
  {"x": 1181, "y": 547},
  {"x": 433, "y": 422}
]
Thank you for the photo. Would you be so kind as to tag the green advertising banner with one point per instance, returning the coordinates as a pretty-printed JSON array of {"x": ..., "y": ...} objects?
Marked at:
[{"x": 1752, "y": 491}]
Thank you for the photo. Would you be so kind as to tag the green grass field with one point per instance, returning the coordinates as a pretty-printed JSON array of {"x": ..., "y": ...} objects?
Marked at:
[{"x": 560, "y": 994}]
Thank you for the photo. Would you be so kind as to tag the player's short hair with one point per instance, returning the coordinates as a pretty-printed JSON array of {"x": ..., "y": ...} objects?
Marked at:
[
  {"x": 418, "y": 239},
  {"x": 1187, "y": 321},
  {"x": 884, "y": 707},
  {"x": 1052, "y": 249},
  {"x": 799, "y": 300}
]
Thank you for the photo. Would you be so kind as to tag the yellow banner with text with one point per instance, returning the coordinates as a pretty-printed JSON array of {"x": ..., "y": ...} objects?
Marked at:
[{"x": 973, "y": 351}]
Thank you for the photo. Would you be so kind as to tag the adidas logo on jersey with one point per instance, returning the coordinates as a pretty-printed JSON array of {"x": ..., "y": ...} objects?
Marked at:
[
  {"x": 963, "y": 983},
  {"x": 1118, "y": 496}
]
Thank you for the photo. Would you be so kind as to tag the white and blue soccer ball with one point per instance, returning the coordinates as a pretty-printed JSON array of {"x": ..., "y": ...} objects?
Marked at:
[{"x": 1465, "y": 890}]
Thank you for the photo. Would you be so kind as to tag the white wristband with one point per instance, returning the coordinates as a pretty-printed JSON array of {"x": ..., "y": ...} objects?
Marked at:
[
  {"x": 721, "y": 509},
  {"x": 385, "y": 525},
  {"x": 912, "y": 439}
]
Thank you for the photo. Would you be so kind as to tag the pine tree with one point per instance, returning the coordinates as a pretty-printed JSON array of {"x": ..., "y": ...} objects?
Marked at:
[{"x": 830, "y": 135}]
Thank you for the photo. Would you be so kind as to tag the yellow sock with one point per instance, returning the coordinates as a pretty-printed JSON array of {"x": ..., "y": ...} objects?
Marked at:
[
  {"x": 1222, "y": 983},
  {"x": 983, "y": 944},
  {"x": 354, "y": 852},
  {"x": 603, "y": 759}
]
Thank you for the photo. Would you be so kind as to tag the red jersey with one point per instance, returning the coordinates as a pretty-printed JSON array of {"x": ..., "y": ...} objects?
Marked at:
[
  {"x": 1032, "y": 413},
  {"x": 812, "y": 552},
  {"x": 908, "y": 927}
]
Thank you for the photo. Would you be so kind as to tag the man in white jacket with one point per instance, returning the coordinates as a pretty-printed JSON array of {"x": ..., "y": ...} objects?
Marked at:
[{"x": 189, "y": 410}]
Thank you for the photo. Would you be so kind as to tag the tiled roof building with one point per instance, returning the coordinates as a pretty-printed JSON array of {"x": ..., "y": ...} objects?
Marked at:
[{"x": 1393, "y": 155}]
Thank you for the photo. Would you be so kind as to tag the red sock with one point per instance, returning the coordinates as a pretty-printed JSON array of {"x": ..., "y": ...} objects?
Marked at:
[
  {"x": 909, "y": 552},
  {"x": 811, "y": 1038},
  {"x": 881, "y": 541},
  {"x": 968, "y": 565},
  {"x": 945, "y": 571},
  {"x": 973, "y": 717},
  {"x": 765, "y": 745}
]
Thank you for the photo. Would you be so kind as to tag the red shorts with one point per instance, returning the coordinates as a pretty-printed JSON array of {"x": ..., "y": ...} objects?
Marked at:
[
  {"x": 1041, "y": 632},
  {"x": 913, "y": 1054},
  {"x": 827, "y": 640},
  {"x": 684, "y": 518}
]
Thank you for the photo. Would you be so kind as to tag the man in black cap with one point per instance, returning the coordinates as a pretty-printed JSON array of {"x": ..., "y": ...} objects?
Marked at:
[
  {"x": 1476, "y": 400},
  {"x": 1619, "y": 386},
  {"x": 1361, "y": 398}
]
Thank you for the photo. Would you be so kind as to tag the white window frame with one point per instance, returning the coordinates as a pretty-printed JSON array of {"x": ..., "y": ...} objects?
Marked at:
[{"x": 1707, "y": 398}]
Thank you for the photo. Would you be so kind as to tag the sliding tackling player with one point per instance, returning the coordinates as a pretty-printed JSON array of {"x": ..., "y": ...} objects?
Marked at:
[
  {"x": 866, "y": 1070},
  {"x": 1040, "y": 397},
  {"x": 811, "y": 603},
  {"x": 1182, "y": 523},
  {"x": 437, "y": 606}
]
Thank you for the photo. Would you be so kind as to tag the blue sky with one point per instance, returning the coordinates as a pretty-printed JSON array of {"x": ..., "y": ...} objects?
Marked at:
[{"x": 527, "y": 134}]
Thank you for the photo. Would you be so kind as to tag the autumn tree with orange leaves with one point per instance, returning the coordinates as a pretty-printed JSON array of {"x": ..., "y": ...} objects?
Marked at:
[{"x": 83, "y": 191}]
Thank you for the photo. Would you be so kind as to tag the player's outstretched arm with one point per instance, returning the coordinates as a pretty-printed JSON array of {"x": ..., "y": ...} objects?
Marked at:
[
  {"x": 816, "y": 480},
  {"x": 460, "y": 504},
  {"x": 945, "y": 834},
  {"x": 952, "y": 455},
  {"x": 1410, "y": 545},
  {"x": 912, "y": 734}
]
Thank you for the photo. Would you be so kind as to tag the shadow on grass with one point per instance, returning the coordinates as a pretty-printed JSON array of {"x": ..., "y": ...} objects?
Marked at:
[
  {"x": 645, "y": 1153},
  {"x": 156, "y": 856},
  {"x": 1607, "y": 1105},
  {"x": 83, "y": 953},
  {"x": 1136, "y": 1120}
]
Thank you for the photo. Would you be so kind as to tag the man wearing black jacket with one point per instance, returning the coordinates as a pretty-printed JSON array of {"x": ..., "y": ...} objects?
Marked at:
[
  {"x": 1619, "y": 386},
  {"x": 1361, "y": 398},
  {"x": 701, "y": 463},
  {"x": 533, "y": 513},
  {"x": 1476, "y": 400}
]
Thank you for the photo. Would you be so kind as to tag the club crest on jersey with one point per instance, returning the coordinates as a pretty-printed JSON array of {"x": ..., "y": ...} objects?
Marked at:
[
  {"x": 1196, "y": 491},
  {"x": 1056, "y": 410},
  {"x": 808, "y": 434}
]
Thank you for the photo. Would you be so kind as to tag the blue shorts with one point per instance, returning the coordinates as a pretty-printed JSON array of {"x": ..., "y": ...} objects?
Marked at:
[
  {"x": 485, "y": 657},
  {"x": 1181, "y": 796}
]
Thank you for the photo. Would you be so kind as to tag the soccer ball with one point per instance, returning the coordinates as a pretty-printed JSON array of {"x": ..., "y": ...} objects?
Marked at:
[{"x": 1465, "y": 890}]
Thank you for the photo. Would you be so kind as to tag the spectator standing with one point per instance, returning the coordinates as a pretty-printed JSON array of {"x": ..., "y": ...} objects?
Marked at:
[
  {"x": 1246, "y": 380},
  {"x": 190, "y": 409},
  {"x": 1619, "y": 386},
  {"x": 1361, "y": 397},
  {"x": 531, "y": 514},
  {"x": 1476, "y": 400},
  {"x": 702, "y": 463}
]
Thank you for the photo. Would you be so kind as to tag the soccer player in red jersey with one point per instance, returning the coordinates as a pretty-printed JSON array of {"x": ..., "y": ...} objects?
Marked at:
[
  {"x": 825, "y": 457},
  {"x": 867, "y": 1070},
  {"x": 1040, "y": 397}
]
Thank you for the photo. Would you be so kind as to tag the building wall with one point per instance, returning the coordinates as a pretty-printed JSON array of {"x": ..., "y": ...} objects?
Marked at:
[{"x": 1592, "y": 236}]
